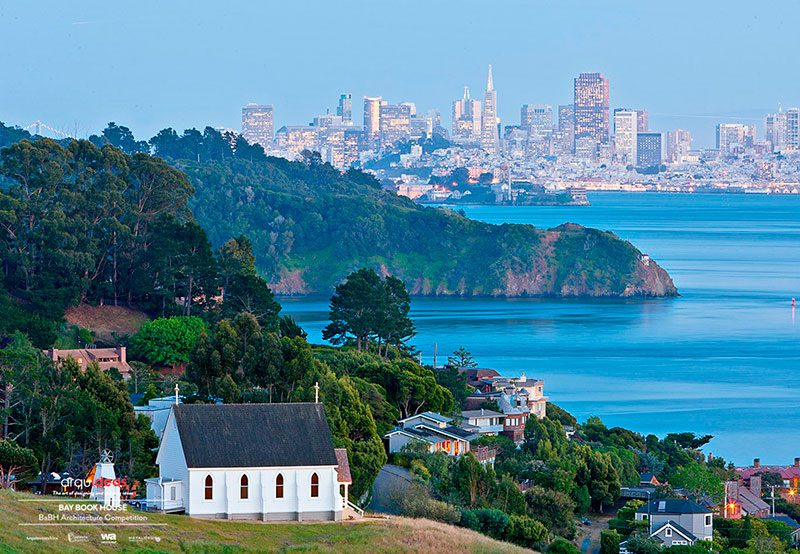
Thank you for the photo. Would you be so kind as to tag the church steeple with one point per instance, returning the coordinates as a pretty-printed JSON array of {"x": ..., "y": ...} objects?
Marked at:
[{"x": 489, "y": 81}]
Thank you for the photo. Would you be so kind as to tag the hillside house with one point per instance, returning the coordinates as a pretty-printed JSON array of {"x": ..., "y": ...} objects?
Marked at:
[
  {"x": 741, "y": 500},
  {"x": 106, "y": 358},
  {"x": 677, "y": 522},
  {"x": 270, "y": 462},
  {"x": 483, "y": 422},
  {"x": 789, "y": 473},
  {"x": 433, "y": 430}
]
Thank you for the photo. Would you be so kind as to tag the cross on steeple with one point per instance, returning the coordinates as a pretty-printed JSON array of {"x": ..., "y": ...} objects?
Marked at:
[
  {"x": 177, "y": 390},
  {"x": 316, "y": 392}
]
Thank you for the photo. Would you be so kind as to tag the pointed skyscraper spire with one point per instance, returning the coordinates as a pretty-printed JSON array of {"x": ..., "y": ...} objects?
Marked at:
[
  {"x": 489, "y": 81},
  {"x": 466, "y": 93}
]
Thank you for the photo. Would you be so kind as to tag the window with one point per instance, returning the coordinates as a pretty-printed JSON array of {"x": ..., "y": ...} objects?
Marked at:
[
  {"x": 243, "y": 487},
  {"x": 708, "y": 520},
  {"x": 209, "y": 488},
  {"x": 279, "y": 486},
  {"x": 668, "y": 531},
  {"x": 172, "y": 493},
  {"x": 314, "y": 485}
]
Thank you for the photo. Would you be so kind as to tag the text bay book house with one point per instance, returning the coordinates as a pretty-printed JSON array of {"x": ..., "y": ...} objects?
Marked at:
[{"x": 270, "y": 462}]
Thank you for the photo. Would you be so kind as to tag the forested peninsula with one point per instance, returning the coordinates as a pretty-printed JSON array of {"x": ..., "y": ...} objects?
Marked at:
[{"x": 311, "y": 225}]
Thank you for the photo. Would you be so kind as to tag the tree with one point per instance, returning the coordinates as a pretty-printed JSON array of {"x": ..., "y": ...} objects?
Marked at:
[
  {"x": 562, "y": 546},
  {"x": 461, "y": 359},
  {"x": 167, "y": 341},
  {"x": 15, "y": 461},
  {"x": 525, "y": 531},
  {"x": 699, "y": 480},
  {"x": 609, "y": 542}
]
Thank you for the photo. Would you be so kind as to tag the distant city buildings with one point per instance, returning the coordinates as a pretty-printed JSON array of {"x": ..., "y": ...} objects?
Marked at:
[
  {"x": 584, "y": 145},
  {"x": 490, "y": 140},
  {"x": 591, "y": 94},
  {"x": 733, "y": 138},
  {"x": 648, "y": 149},
  {"x": 257, "y": 126},
  {"x": 466, "y": 118}
]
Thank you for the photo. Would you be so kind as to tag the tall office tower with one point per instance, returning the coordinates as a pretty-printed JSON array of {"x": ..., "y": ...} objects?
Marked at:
[
  {"x": 642, "y": 121},
  {"x": 775, "y": 126},
  {"x": 537, "y": 119},
  {"x": 293, "y": 139},
  {"x": 372, "y": 121},
  {"x": 566, "y": 128},
  {"x": 648, "y": 149},
  {"x": 466, "y": 118},
  {"x": 353, "y": 145},
  {"x": 679, "y": 143},
  {"x": 257, "y": 126},
  {"x": 345, "y": 109},
  {"x": 793, "y": 128},
  {"x": 490, "y": 134},
  {"x": 591, "y": 114},
  {"x": 395, "y": 123},
  {"x": 626, "y": 125},
  {"x": 734, "y": 138}
]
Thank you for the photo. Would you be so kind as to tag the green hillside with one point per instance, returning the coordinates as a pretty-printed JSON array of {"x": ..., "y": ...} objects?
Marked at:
[
  {"x": 179, "y": 533},
  {"x": 311, "y": 225}
]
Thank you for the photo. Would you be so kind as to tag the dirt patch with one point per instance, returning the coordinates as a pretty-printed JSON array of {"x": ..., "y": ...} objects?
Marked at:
[{"x": 107, "y": 322}]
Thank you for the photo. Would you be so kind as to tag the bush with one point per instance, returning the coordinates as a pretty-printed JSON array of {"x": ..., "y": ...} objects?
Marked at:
[
  {"x": 419, "y": 471},
  {"x": 487, "y": 521},
  {"x": 415, "y": 501},
  {"x": 609, "y": 542},
  {"x": 525, "y": 531},
  {"x": 562, "y": 546},
  {"x": 167, "y": 341}
]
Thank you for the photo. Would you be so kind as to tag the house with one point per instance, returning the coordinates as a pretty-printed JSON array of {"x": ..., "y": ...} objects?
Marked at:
[
  {"x": 677, "y": 522},
  {"x": 106, "y": 358},
  {"x": 520, "y": 393},
  {"x": 475, "y": 375},
  {"x": 433, "y": 430},
  {"x": 483, "y": 422},
  {"x": 648, "y": 479},
  {"x": 741, "y": 500},
  {"x": 157, "y": 411},
  {"x": 271, "y": 462},
  {"x": 790, "y": 475},
  {"x": 792, "y": 524}
]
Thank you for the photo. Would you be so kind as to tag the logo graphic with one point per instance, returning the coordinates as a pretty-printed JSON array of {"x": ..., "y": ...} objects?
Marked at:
[
  {"x": 73, "y": 537},
  {"x": 108, "y": 538}
]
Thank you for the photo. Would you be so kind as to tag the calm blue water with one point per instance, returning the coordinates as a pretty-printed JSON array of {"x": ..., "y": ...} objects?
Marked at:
[{"x": 722, "y": 359}]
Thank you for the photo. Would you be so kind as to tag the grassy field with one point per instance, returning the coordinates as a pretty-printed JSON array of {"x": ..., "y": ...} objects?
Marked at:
[
  {"x": 179, "y": 533},
  {"x": 107, "y": 322}
]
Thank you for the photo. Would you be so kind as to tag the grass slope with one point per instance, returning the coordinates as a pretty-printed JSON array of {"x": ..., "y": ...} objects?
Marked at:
[
  {"x": 184, "y": 534},
  {"x": 107, "y": 322}
]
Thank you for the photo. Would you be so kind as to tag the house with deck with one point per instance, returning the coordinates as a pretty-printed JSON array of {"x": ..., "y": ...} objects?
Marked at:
[
  {"x": 271, "y": 462},
  {"x": 433, "y": 430},
  {"x": 483, "y": 422},
  {"x": 105, "y": 358}
]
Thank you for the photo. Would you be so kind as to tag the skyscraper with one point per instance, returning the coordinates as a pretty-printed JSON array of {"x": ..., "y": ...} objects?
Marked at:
[
  {"x": 345, "y": 109},
  {"x": 490, "y": 139},
  {"x": 679, "y": 142},
  {"x": 257, "y": 126},
  {"x": 566, "y": 129},
  {"x": 395, "y": 122},
  {"x": 591, "y": 113},
  {"x": 537, "y": 119},
  {"x": 775, "y": 128},
  {"x": 793, "y": 128},
  {"x": 372, "y": 120},
  {"x": 466, "y": 118},
  {"x": 625, "y": 140},
  {"x": 648, "y": 149}
]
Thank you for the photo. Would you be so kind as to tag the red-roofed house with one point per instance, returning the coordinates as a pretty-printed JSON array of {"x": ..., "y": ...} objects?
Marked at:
[{"x": 790, "y": 475}]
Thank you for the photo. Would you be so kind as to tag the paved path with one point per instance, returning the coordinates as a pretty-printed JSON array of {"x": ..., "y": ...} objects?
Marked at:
[{"x": 391, "y": 480}]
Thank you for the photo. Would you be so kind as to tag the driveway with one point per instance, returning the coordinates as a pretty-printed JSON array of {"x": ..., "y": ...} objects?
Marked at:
[{"x": 391, "y": 481}]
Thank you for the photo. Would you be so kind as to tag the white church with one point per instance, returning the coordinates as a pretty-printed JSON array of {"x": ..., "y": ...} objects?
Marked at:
[{"x": 271, "y": 462}]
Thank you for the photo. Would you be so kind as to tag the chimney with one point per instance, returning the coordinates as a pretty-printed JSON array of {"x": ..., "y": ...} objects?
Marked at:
[
  {"x": 710, "y": 456},
  {"x": 482, "y": 414},
  {"x": 797, "y": 462},
  {"x": 757, "y": 463},
  {"x": 123, "y": 353},
  {"x": 52, "y": 355},
  {"x": 755, "y": 485}
]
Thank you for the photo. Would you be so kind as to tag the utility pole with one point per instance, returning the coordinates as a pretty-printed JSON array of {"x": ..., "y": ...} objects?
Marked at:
[{"x": 772, "y": 487}]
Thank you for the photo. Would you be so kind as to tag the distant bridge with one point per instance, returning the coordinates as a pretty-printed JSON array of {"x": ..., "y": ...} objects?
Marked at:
[{"x": 37, "y": 126}]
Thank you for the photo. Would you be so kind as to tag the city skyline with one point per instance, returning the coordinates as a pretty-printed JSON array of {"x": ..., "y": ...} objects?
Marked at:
[{"x": 98, "y": 63}]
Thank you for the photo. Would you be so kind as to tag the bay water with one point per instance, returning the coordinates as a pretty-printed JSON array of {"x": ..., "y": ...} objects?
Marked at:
[{"x": 721, "y": 359}]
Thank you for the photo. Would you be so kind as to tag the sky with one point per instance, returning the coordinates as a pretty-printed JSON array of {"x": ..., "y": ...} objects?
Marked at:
[{"x": 178, "y": 63}]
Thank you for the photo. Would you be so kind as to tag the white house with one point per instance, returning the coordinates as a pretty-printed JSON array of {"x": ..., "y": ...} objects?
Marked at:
[
  {"x": 271, "y": 462},
  {"x": 482, "y": 421}
]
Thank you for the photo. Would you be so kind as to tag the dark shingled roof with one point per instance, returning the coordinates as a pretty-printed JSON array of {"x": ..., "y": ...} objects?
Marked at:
[
  {"x": 673, "y": 506},
  {"x": 254, "y": 435}
]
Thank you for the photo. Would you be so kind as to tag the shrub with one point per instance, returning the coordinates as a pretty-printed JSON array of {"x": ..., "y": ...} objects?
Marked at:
[
  {"x": 487, "y": 521},
  {"x": 525, "y": 531},
  {"x": 562, "y": 546},
  {"x": 415, "y": 501},
  {"x": 609, "y": 542}
]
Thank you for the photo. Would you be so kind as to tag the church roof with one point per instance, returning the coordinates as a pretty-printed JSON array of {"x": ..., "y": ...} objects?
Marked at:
[
  {"x": 254, "y": 435},
  {"x": 343, "y": 469}
]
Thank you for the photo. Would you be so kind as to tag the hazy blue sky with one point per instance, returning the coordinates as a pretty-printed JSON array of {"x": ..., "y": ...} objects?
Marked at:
[{"x": 176, "y": 63}]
